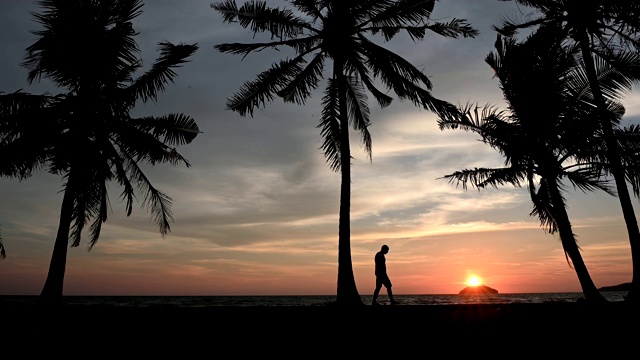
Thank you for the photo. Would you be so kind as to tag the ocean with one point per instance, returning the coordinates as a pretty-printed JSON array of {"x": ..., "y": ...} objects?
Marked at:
[{"x": 310, "y": 300}]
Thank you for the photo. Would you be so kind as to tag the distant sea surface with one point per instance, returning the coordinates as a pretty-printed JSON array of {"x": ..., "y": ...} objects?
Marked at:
[{"x": 309, "y": 300}]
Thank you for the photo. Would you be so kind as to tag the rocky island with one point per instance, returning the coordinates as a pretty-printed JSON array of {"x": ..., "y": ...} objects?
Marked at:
[
  {"x": 620, "y": 287},
  {"x": 477, "y": 290}
]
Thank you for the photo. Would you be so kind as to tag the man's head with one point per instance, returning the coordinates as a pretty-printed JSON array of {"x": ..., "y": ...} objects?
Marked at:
[{"x": 384, "y": 249}]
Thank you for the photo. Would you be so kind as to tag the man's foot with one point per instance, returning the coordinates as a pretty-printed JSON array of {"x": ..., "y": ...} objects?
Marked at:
[
  {"x": 393, "y": 302},
  {"x": 375, "y": 303}
]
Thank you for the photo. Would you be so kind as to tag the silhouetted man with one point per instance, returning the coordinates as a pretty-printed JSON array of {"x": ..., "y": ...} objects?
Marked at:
[{"x": 381, "y": 275}]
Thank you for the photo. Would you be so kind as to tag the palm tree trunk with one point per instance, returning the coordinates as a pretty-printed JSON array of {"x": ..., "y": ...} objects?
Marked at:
[
  {"x": 347, "y": 293},
  {"x": 52, "y": 291},
  {"x": 617, "y": 170},
  {"x": 589, "y": 289}
]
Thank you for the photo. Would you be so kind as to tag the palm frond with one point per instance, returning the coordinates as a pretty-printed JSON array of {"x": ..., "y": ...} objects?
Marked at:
[
  {"x": 170, "y": 129},
  {"x": 629, "y": 139},
  {"x": 312, "y": 8},
  {"x": 27, "y": 125},
  {"x": 452, "y": 29},
  {"x": 360, "y": 68},
  {"x": 404, "y": 79},
  {"x": 151, "y": 139},
  {"x": 485, "y": 177},
  {"x": 21, "y": 111},
  {"x": 510, "y": 26},
  {"x": 632, "y": 174},
  {"x": 472, "y": 117},
  {"x": 302, "y": 46},
  {"x": 162, "y": 71},
  {"x": 82, "y": 204},
  {"x": 121, "y": 160},
  {"x": 359, "y": 111},
  {"x": 629, "y": 142},
  {"x": 20, "y": 158},
  {"x": 589, "y": 179},
  {"x": 382, "y": 99},
  {"x": 330, "y": 126},
  {"x": 258, "y": 17},
  {"x": 260, "y": 91},
  {"x": 395, "y": 72},
  {"x": 542, "y": 207},
  {"x": 299, "y": 88},
  {"x": 617, "y": 72},
  {"x": 396, "y": 14},
  {"x": 101, "y": 215},
  {"x": 159, "y": 203}
]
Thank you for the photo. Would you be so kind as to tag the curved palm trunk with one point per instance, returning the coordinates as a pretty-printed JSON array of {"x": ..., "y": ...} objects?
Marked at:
[
  {"x": 589, "y": 289},
  {"x": 347, "y": 292},
  {"x": 52, "y": 291},
  {"x": 616, "y": 169}
]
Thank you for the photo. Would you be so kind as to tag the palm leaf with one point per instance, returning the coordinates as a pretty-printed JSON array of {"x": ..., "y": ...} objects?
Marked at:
[
  {"x": 151, "y": 139},
  {"x": 100, "y": 216},
  {"x": 542, "y": 207},
  {"x": 161, "y": 73},
  {"x": 359, "y": 111},
  {"x": 299, "y": 88},
  {"x": 382, "y": 99},
  {"x": 485, "y": 177},
  {"x": 310, "y": 7},
  {"x": 401, "y": 13},
  {"x": 260, "y": 91},
  {"x": 330, "y": 126},
  {"x": 302, "y": 46},
  {"x": 258, "y": 17},
  {"x": 170, "y": 129},
  {"x": 589, "y": 179},
  {"x": 159, "y": 203},
  {"x": 395, "y": 72},
  {"x": 27, "y": 123},
  {"x": 453, "y": 29}
]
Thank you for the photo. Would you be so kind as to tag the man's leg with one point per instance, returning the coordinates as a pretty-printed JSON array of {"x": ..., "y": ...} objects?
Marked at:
[
  {"x": 375, "y": 293},
  {"x": 390, "y": 293}
]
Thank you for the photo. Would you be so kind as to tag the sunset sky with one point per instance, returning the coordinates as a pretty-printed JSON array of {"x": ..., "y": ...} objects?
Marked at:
[{"x": 257, "y": 212}]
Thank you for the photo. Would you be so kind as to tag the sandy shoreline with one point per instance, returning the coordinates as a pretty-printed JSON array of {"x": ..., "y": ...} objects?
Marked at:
[{"x": 609, "y": 327}]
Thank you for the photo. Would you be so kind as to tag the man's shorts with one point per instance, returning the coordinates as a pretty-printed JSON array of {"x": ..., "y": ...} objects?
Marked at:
[{"x": 383, "y": 280}]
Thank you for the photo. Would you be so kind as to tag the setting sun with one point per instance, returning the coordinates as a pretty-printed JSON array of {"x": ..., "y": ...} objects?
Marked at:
[{"x": 473, "y": 281}]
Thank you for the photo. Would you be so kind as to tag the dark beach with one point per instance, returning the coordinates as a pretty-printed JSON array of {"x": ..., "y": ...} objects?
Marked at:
[{"x": 551, "y": 328}]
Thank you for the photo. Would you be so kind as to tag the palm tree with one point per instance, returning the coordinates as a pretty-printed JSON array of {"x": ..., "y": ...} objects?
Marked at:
[
  {"x": 338, "y": 31},
  {"x": 605, "y": 30},
  {"x": 87, "y": 134},
  {"x": 549, "y": 134}
]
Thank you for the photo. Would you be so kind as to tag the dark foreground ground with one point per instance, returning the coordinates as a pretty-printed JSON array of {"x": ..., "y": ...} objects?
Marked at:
[{"x": 515, "y": 331}]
